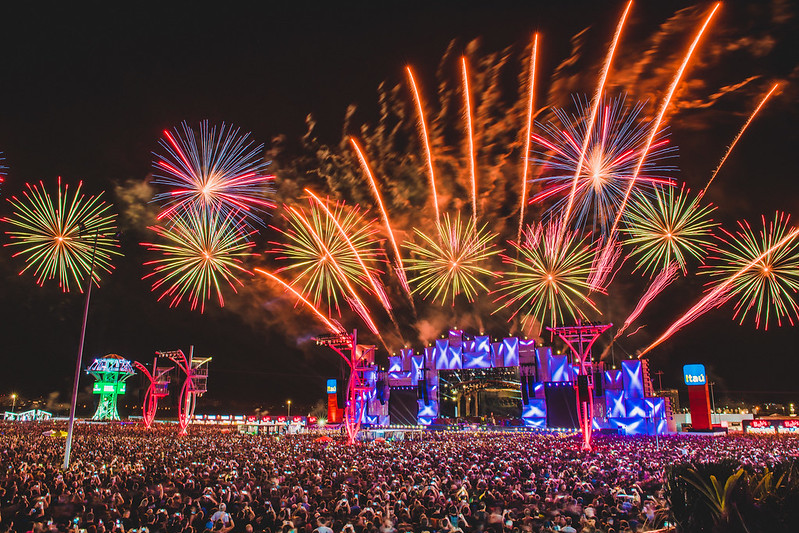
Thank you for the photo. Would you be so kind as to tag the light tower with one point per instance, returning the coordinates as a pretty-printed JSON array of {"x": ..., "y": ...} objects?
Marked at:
[
  {"x": 194, "y": 386},
  {"x": 359, "y": 359},
  {"x": 579, "y": 339},
  {"x": 158, "y": 388},
  {"x": 110, "y": 373}
]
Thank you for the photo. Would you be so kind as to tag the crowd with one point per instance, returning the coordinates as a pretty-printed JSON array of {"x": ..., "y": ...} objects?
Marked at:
[{"x": 126, "y": 479}]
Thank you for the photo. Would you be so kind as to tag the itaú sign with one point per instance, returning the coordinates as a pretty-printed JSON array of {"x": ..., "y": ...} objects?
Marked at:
[{"x": 694, "y": 374}]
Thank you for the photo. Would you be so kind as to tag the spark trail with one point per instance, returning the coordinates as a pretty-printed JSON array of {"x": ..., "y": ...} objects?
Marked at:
[
  {"x": 718, "y": 294},
  {"x": 398, "y": 266},
  {"x": 355, "y": 302},
  {"x": 606, "y": 250},
  {"x": 425, "y": 142},
  {"x": 594, "y": 110},
  {"x": 378, "y": 289},
  {"x": 737, "y": 137},
  {"x": 527, "y": 140},
  {"x": 470, "y": 130},
  {"x": 332, "y": 325}
]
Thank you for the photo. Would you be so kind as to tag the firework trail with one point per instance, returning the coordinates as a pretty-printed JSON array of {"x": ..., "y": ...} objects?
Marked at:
[
  {"x": 667, "y": 229},
  {"x": 737, "y": 137},
  {"x": 425, "y": 142},
  {"x": 219, "y": 170},
  {"x": 602, "y": 265},
  {"x": 609, "y": 161},
  {"x": 352, "y": 297},
  {"x": 606, "y": 252},
  {"x": 65, "y": 237},
  {"x": 528, "y": 136},
  {"x": 398, "y": 266},
  {"x": 772, "y": 282},
  {"x": 549, "y": 277},
  {"x": 332, "y": 325},
  {"x": 309, "y": 262},
  {"x": 720, "y": 293},
  {"x": 594, "y": 110},
  {"x": 664, "y": 106},
  {"x": 467, "y": 98},
  {"x": 376, "y": 287},
  {"x": 451, "y": 262},
  {"x": 3, "y": 169},
  {"x": 201, "y": 249},
  {"x": 661, "y": 281}
]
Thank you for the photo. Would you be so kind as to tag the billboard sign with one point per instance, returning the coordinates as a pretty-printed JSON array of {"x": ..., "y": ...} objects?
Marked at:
[{"x": 694, "y": 374}]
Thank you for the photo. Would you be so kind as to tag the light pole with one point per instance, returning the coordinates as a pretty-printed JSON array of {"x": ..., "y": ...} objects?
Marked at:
[
  {"x": 71, "y": 427},
  {"x": 713, "y": 400},
  {"x": 288, "y": 411},
  {"x": 13, "y": 402}
]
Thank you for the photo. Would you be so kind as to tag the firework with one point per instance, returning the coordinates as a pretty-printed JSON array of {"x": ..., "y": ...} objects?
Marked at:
[
  {"x": 721, "y": 292},
  {"x": 592, "y": 117},
  {"x": 451, "y": 262},
  {"x": 661, "y": 281},
  {"x": 220, "y": 170},
  {"x": 771, "y": 283},
  {"x": 398, "y": 266},
  {"x": 425, "y": 141},
  {"x": 666, "y": 228},
  {"x": 527, "y": 137},
  {"x": 737, "y": 137},
  {"x": 332, "y": 325},
  {"x": 199, "y": 249},
  {"x": 64, "y": 237},
  {"x": 607, "y": 161},
  {"x": 350, "y": 295},
  {"x": 467, "y": 99},
  {"x": 653, "y": 132},
  {"x": 549, "y": 279},
  {"x": 3, "y": 169},
  {"x": 307, "y": 261}
]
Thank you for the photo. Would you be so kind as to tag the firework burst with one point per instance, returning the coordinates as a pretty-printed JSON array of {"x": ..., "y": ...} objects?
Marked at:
[
  {"x": 667, "y": 227},
  {"x": 220, "y": 170},
  {"x": 452, "y": 261},
  {"x": 200, "y": 250},
  {"x": 64, "y": 237},
  {"x": 308, "y": 261},
  {"x": 613, "y": 148},
  {"x": 770, "y": 284},
  {"x": 548, "y": 278}
]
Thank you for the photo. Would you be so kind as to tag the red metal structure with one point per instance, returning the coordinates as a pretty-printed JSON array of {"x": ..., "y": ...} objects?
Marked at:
[
  {"x": 579, "y": 339},
  {"x": 360, "y": 359},
  {"x": 194, "y": 386},
  {"x": 158, "y": 388}
]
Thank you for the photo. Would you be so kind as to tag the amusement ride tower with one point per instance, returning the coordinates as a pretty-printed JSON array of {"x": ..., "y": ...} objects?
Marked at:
[
  {"x": 157, "y": 389},
  {"x": 110, "y": 373},
  {"x": 195, "y": 385}
]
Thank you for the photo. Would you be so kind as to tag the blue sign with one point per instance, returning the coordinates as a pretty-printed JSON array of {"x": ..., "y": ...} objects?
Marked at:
[
  {"x": 694, "y": 374},
  {"x": 331, "y": 386}
]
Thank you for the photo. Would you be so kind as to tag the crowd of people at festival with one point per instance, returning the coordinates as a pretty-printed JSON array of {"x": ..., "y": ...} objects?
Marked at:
[{"x": 126, "y": 479}]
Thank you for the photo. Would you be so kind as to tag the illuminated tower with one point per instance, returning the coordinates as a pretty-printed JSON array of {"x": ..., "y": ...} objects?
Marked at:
[{"x": 110, "y": 373}]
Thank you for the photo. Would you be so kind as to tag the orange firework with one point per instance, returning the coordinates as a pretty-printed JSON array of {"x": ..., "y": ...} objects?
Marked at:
[
  {"x": 664, "y": 106},
  {"x": 526, "y": 156},
  {"x": 355, "y": 302},
  {"x": 332, "y": 325},
  {"x": 400, "y": 269},
  {"x": 740, "y": 133},
  {"x": 470, "y": 130},
  {"x": 592, "y": 117},
  {"x": 426, "y": 142}
]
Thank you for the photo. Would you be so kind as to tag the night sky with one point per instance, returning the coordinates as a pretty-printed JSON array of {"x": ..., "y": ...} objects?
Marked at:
[{"x": 86, "y": 93}]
